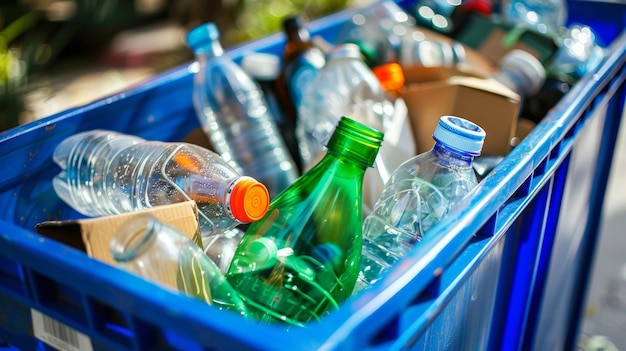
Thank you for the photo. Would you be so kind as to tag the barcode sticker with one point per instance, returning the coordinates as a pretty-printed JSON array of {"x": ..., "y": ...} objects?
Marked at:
[{"x": 58, "y": 335}]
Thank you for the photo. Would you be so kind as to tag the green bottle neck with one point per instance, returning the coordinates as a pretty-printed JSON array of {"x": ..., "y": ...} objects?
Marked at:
[{"x": 355, "y": 142}]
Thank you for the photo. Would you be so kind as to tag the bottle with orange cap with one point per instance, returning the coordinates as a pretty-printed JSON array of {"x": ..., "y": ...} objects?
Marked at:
[
  {"x": 301, "y": 260},
  {"x": 106, "y": 173}
]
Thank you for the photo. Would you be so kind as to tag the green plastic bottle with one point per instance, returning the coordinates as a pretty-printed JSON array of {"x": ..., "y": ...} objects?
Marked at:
[{"x": 302, "y": 258}]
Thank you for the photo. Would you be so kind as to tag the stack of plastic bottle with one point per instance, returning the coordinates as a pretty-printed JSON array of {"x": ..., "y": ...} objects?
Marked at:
[{"x": 331, "y": 232}]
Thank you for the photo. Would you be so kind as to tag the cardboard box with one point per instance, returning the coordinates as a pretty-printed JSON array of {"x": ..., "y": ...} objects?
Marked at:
[
  {"x": 485, "y": 102},
  {"x": 93, "y": 235}
]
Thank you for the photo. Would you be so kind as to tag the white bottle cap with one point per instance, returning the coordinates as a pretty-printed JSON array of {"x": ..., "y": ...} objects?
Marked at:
[
  {"x": 261, "y": 66},
  {"x": 460, "y": 134}
]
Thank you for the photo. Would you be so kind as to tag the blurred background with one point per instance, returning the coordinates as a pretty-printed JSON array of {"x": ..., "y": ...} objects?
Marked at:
[{"x": 57, "y": 54}]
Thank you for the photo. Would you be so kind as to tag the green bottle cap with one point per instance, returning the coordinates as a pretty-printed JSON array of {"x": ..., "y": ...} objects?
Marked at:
[{"x": 355, "y": 141}]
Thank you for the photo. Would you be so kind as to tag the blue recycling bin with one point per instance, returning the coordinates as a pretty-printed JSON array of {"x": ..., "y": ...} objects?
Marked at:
[{"x": 508, "y": 269}]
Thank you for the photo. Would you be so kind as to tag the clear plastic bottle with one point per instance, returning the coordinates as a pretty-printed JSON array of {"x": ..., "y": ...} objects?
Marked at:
[
  {"x": 420, "y": 192},
  {"x": 345, "y": 86},
  {"x": 160, "y": 253},
  {"x": 377, "y": 30},
  {"x": 265, "y": 69},
  {"x": 578, "y": 53},
  {"x": 106, "y": 173},
  {"x": 431, "y": 52},
  {"x": 521, "y": 72},
  {"x": 545, "y": 16},
  {"x": 301, "y": 260},
  {"x": 399, "y": 144},
  {"x": 234, "y": 113}
]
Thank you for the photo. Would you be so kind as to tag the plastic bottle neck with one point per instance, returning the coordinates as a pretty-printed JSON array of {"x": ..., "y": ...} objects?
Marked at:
[
  {"x": 135, "y": 240},
  {"x": 298, "y": 36},
  {"x": 210, "y": 50},
  {"x": 452, "y": 156}
]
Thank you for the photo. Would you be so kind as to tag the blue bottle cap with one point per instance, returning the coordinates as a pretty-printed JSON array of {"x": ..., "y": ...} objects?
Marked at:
[
  {"x": 460, "y": 134},
  {"x": 202, "y": 35}
]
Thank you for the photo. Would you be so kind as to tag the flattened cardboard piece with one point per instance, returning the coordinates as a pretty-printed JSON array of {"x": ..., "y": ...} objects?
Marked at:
[
  {"x": 93, "y": 235},
  {"x": 485, "y": 102}
]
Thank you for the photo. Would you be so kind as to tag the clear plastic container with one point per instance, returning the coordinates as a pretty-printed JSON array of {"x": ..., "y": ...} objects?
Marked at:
[
  {"x": 107, "y": 173},
  {"x": 544, "y": 16},
  {"x": 420, "y": 192},
  {"x": 345, "y": 86}
]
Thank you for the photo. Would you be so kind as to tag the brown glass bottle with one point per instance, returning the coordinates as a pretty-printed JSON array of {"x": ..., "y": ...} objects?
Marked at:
[{"x": 301, "y": 60}]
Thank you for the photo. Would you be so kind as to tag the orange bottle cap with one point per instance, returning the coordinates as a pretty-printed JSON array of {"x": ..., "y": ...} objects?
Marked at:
[
  {"x": 249, "y": 200},
  {"x": 390, "y": 76}
]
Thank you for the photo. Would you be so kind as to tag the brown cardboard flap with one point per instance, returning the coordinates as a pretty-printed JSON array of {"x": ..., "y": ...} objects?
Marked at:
[
  {"x": 94, "y": 234},
  {"x": 487, "y": 103},
  {"x": 486, "y": 85}
]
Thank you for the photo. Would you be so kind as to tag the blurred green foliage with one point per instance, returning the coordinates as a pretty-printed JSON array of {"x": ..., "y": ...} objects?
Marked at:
[
  {"x": 35, "y": 34},
  {"x": 257, "y": 18}
]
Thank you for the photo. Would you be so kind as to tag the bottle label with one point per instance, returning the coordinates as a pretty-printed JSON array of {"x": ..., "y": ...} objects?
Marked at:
[
  {"x": 301, "y": 79},
  {"x": 57, "y": 334}
]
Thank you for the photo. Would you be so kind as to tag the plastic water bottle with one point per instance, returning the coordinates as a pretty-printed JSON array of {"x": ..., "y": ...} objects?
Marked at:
[
  {"x": 265, "y": 69},
  {"x": 107, "y": 173},
  {"x": 345, "y": 86},
  {"x": 301, "y": 260},
  {"x": 160, "y": 253},
  {"x": 234, "y": 113},
  {"x": 399, "y": 143},
  {"x": 521, "y": 72},
  {"x": 545, "y": 16},
  {"x": 377, "y": 30},
  {"x": 431, "y": 53},
  {"x": 578, "y": 53},
  {"x": 420, "y": 192}
]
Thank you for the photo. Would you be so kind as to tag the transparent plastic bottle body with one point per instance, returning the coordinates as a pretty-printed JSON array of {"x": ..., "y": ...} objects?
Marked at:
[
  {"x": 544, "y": 16},
  {"x": 377, "y": 30},
  {"x": 301, "y": 260},
  {"x": 345, "y": 86},
  {"x": 422, "y": 52},
  {"x": 419, "y": 193},
  {"x": 160, "y": 253},
  {"x": 521, "y": 72},
  {"x": 107, "y": 173},
  {"x": 234, "y": 113},
  {"x": 578, "y": 54}
]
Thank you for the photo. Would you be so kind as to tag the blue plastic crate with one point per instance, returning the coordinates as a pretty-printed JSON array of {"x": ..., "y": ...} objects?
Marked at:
[{"x": 508, "y": 269}]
